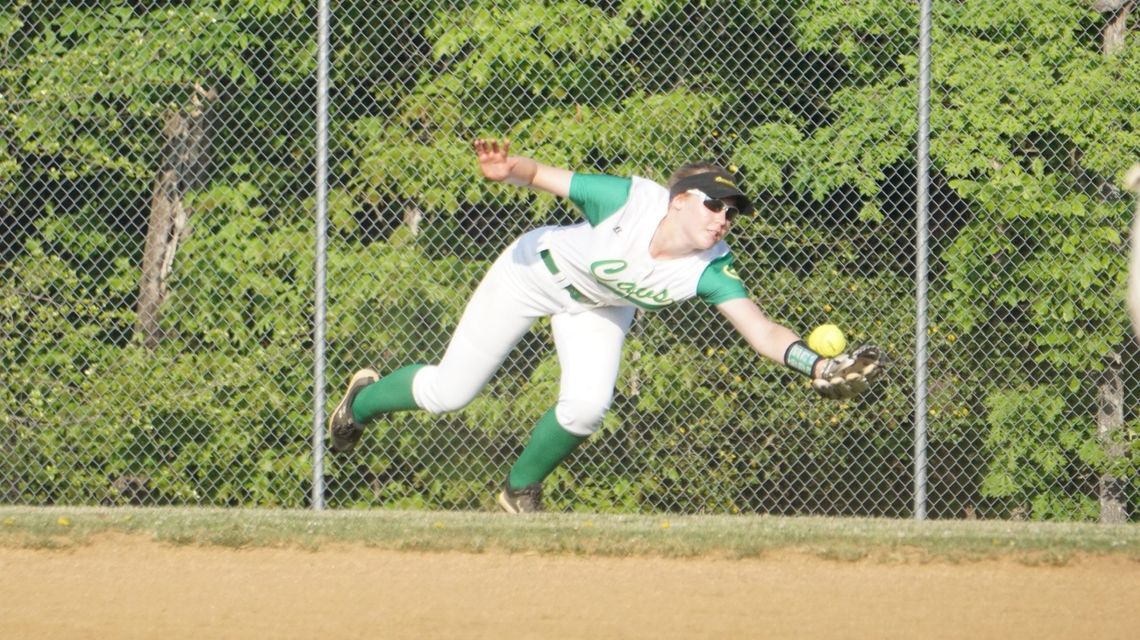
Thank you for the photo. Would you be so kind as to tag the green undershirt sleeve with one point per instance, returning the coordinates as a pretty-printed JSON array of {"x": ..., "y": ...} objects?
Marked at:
[
  {"x": 599, "y": 196},
  {"x": 720, "y": 283}
]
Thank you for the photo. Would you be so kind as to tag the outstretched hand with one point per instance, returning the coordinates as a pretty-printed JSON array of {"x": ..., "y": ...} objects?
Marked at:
[{"x": 494, "y": 159}]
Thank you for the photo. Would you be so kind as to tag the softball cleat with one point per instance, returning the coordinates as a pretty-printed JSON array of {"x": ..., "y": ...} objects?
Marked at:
[
  {"x": 525, "y": 500},
  {"x": 344, "y": 430}
]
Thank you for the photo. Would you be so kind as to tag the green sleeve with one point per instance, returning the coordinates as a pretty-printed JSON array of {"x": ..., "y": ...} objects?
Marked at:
[
  {"x": 719, "y": 283},
  {"x": 598, "y": 196}
]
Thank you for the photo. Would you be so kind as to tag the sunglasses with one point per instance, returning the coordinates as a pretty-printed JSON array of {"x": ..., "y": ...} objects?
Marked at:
[{"x": 715, "y": 205}]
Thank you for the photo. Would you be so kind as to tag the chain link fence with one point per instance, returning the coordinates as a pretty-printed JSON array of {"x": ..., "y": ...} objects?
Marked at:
[{"x": 157, "y": 261}]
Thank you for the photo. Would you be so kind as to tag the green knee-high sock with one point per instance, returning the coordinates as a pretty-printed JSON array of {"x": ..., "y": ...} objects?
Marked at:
[
  {"x": 393, "y": 392},
  {"x": 549, "y": 445}
]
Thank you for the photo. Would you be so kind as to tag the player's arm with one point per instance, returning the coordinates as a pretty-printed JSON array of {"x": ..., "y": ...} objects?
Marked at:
[
  {"x": 844, "y": 376},
  {"x": 498, "y": 165},
  {"x": 767, "y": 338}
]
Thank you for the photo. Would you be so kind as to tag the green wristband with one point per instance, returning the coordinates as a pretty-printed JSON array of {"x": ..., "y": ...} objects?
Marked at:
[{"x": 800, "y": 358}]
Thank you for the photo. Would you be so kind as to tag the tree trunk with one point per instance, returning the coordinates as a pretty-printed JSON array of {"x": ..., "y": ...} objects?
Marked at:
[
  {"x": 184, "y": 150},
  {"x": 1110, "y": 390},
  {"x": 413, "y": 216},
  {"x": 1109, "y": 420},
  {"x": 11, "y": 493},
  {"x": 1116, "y": 25}
]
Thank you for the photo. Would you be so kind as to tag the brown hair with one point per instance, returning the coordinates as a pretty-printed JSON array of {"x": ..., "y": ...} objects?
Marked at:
[{"x": 692, "y": 169}]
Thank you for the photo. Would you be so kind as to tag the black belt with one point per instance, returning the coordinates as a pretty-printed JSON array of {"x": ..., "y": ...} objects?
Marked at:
[{"x": 575, "y": 295}]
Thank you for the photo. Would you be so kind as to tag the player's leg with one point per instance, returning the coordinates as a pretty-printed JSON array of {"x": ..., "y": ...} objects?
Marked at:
[
  {"x": 589, "y": 351},
  {"x": 495, "y": 318}
]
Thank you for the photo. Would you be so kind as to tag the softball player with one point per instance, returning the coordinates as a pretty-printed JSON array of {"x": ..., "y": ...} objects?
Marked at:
[{"x": 641, "y": 246}]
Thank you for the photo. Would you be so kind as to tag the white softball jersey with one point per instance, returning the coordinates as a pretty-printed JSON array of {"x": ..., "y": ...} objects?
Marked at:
[{"x": 606, "y": 257}]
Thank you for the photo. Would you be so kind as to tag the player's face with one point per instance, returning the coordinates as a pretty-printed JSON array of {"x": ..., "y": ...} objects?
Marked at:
[{"x": 710, "y": 219}]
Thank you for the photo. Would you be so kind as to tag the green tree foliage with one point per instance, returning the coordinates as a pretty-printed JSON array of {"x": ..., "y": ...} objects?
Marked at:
[
  {"x": 812, "y": 101},
  {"x": 1030, "y": 126}
]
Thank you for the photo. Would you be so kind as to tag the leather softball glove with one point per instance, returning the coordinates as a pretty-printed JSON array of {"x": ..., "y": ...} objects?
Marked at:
[{"x": 848, "y": 374}]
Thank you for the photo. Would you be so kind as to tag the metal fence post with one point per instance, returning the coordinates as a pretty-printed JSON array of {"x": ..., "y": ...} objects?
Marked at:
[
  {"x": 320, "y": 249},
  {"x": 923, "y": 201}
]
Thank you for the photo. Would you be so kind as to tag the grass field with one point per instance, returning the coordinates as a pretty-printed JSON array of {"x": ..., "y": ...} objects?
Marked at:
[
  {"x": 577, "y": 534},
  {"x": 194, "y": 573}
]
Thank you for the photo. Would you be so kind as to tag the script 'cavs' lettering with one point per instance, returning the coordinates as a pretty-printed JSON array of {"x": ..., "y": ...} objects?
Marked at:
[{"x": 608, "y": 272}]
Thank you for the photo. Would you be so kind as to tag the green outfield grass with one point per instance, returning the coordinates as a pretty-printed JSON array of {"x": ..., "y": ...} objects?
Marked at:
[{"x": 582, "y": 534}]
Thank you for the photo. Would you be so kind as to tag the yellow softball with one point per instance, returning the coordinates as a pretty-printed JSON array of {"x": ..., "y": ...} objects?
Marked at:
[{"x": 827, "y": 340}]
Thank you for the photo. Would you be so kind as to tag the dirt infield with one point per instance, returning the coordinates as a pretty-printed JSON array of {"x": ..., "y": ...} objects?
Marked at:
[{"x": 129, "y": 587}]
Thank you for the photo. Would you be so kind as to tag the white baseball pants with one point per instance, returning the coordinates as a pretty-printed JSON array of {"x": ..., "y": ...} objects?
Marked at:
[{"x": 517, "y": 290}]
